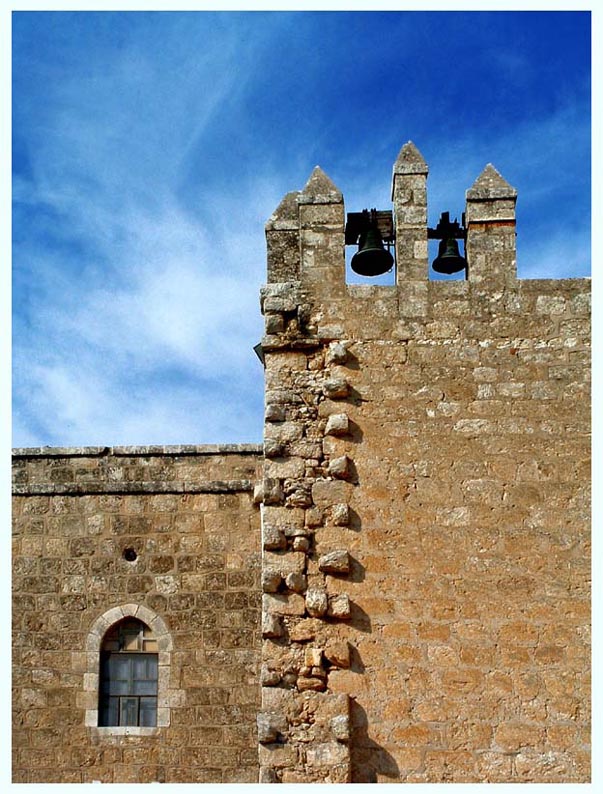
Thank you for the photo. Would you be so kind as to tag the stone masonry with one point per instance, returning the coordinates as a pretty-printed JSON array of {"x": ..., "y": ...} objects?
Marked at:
[
  {"x": 394, "y": 588},
  {"x": 425, "y": 505},
  {"x": 187, "y": 515}
]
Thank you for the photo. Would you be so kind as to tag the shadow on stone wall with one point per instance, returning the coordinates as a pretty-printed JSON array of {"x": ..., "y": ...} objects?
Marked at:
[{"x": 367, "y": 758}]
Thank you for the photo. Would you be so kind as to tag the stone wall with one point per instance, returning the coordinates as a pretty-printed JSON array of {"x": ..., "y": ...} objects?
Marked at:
[
  {"x": 425, "y": 505},
  {"x": 188, "y": 516}
]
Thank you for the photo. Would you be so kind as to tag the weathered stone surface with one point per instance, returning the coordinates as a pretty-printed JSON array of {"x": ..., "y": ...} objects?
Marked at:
[
  {"x": 195, "y": 582},
  {"x": 271, "y": 726},
  {"x": 317, "y": 602},
  {"x": 335, "y": 562},
  {"x": 285, "y": 604},
  {"x": 337, "y": 353},
  {"x": 339, "y": 607},
  {"x": 336, "y": 388},
  {"x": 340, "y": 515},
  {"x": 338, "y": 654},
  {"x": 304, "y": 630},
  {"x": 271, "y": 580},
  {"x": 272, "y": 625},
  {"x": 311, "y": 683},
  {"x": 340, "y": 467},
  {"x": 273, "y": 538},
  {"x": 340, "y": 728},
  {"x": 296, "y": 582},
  {"x": 337, "y": 425}
]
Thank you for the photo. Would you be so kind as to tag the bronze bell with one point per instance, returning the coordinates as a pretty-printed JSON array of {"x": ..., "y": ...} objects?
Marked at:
[
  {"x": 372, "y": 258},
  {"x": 449, "y": 259}
]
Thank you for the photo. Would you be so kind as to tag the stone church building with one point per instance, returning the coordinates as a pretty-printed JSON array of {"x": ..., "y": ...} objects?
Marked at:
[{"x": 394, "y": 587}]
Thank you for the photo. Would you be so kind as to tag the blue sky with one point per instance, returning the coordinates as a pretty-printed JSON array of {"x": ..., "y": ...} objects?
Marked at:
[{"x": 150, "y": 148}]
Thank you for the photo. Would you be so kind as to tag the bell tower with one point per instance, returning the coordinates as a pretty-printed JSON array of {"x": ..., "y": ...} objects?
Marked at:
[{"x": 425, "y": 536}]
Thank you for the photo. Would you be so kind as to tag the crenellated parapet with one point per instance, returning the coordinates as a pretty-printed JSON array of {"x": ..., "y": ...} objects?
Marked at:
[{"x": 421, "y": 442}]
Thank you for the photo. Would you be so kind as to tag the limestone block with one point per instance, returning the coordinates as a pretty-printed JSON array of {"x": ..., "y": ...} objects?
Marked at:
[
  {"x": 272, "y": 448},
  {"x": 335, "y": 562},
  {"x": 275, "y": 413},
  {"x": 272, "y": 726},
  {"x": 337, "y": 353},
  {"x": 313, "y": 657},
  {"x": 340, "y": 467},
  {"x": 337, "y": 425},
  {"x": 301, "y": 544},
  {"x": 272, "y": 625},
  {"x": 275, "y": 323},
  {"x": 339, "y": 607},
  {"x": 296, "y": 582},
  {"x": 282, "y": 469},
  {"x": 271, "y": 581},
  {"x": 340, "y": 727},
  {"x": 327, "y": 754},
  {"x": 273, "y": 538},
  {"x": 314, "y": 517},
  {"x": 258, "y": 493},
  {"x": 283, "y": 604},
  {"x": 285, "y": 432},
  {"x": 304, "y": 630},
  {"x": 338, "y": 654},
  {"x": 273, "y": 492},
  {"x": 317, "y": 602},
  {"x": 267, "y": 775},
  {"x": 278, "y": 756},
  {"x": 285, "y": 562},
  {"x": 336, "y": 388},
  {"x": 269, "y": 677},
  {"x": 328, "y": 492},
  {"x": 311, "y": 683},
  {"x": 340, "y": 515}
]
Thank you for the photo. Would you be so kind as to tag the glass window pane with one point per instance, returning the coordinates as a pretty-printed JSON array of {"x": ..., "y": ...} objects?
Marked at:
[
  {"x": 148, "y": 712},
  {"x": 128, "y": 711},
  {"x": 108, "y": 711}
]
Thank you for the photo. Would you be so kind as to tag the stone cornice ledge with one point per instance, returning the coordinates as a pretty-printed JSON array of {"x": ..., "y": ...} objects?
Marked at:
[{"x": 124, "y": 451}]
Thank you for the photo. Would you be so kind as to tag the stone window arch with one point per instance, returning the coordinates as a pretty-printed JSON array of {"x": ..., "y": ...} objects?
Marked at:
[{"x": 167, "y": 697}]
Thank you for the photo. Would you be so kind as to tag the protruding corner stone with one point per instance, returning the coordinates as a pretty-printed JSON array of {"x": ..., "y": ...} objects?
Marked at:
[
  {"x": 337, "y": 425},
  {"x": 271, "y": 727},
  {"x": 272, "y": 626},
  {"x": 335, "y": 562},
  {"x": 317, "y": 602},
  {"x": 490, "y": 185},
  {"x": 320, "y": 189},
  {"x": 340, "y": 607},
  {"x": 410, "y": 161}
]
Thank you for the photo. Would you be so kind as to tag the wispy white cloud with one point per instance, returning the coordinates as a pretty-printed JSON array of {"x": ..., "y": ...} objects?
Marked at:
[{"x": 151, "y": 169}]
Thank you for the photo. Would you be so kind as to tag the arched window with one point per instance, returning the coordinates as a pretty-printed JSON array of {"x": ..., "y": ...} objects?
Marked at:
[{"x": 129, "y": 669}]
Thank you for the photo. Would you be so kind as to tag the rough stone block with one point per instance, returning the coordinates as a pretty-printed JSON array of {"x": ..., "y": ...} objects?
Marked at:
[
  {"x": 337, "y": 425},
  {"x": 339, "y": 607},
  {"x": 272, "y": 625},
  {"x": 286, "y": 604},
  {"x": 341, "y": 467},
  {"x": 338, "y": 654},
  {"x": 317, "y": 602},
  {"x": 271, "y": 581},
  {"x": 335, "y": 562},
  {"x": 296, "y": 582},
  {"x": 336, "y": 388},
  {"x": 271, "y": 727},
  {"x": 273, "y": 538}
]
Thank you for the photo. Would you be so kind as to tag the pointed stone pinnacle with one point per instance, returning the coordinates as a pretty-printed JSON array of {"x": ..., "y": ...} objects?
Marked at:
[
  {"x": 319, "y": 189},
  {"x": 285, "y": 214},
  {"x": 410, "y": 161},
  {"x": 490, "y": 185}
]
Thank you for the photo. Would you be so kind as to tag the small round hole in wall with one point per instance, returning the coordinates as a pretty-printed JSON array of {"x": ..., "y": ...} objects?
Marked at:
[{"x": 130, "y": 555}]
